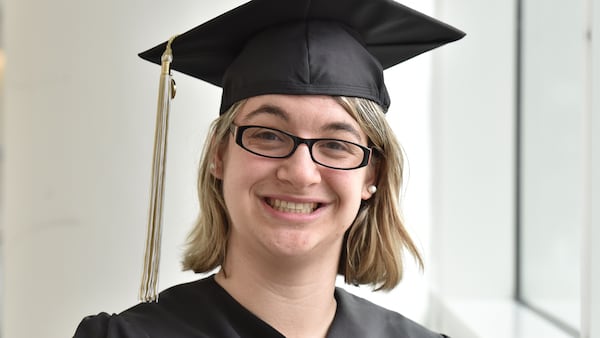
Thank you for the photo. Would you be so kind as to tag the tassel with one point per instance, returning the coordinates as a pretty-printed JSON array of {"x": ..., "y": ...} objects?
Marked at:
[{"x": 166, "y": 92}]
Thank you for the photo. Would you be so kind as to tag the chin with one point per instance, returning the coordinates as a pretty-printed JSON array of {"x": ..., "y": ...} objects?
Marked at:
[{"x": 303, "y": 246}]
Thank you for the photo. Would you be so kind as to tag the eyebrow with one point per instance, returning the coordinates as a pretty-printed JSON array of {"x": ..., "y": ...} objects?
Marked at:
[
  {"x": 269, "y": 110},
  {"x": 342, "y": 126},
  {"x": 283, "y": 115}
]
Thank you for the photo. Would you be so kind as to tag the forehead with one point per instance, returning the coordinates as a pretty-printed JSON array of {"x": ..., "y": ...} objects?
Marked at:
[{"x": 309, "y": 110}]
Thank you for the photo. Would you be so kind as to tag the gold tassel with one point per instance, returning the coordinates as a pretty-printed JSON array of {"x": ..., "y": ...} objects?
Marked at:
[{"x": 166, "y": 92}]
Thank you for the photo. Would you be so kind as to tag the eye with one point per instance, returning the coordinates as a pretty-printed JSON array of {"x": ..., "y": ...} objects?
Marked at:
[
  {"x": 262, "y": 134},
  {"x": 267, "y": 141},
  {"x": 337, "y": 148},
  {"x": 334, "y": 145},
  {"x": 268, "y": 135}
]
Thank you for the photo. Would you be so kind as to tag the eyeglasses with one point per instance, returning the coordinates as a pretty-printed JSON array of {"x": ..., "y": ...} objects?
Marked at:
[{"x": 275, "y": 143}]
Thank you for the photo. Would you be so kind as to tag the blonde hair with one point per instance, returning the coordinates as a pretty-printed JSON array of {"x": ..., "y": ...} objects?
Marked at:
[{"x": 373, "y": 247}]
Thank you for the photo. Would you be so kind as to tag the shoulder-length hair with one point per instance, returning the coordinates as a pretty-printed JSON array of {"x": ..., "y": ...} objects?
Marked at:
[{"x": 373, "y": 246}]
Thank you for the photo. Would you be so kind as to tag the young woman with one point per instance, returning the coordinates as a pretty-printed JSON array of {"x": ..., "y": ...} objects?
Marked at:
[{"x": 300, "y": 176}]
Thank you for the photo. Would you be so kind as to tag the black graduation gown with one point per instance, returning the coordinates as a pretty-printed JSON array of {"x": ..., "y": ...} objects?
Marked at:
[{"x": 204, "y": 309}]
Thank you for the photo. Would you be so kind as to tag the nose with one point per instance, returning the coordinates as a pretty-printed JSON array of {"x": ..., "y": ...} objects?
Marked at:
[{"x": 299, "y": 170}]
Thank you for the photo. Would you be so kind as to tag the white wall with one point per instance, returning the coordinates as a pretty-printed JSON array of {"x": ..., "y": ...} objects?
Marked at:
[
  {"x": 473, "y": 151},
  {"x": 473, "y": 167},
  {"x": 80, "y": 110}
]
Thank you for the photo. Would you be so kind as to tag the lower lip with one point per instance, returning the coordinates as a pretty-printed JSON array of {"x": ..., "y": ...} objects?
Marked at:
[{"x": 292, "y": 216}]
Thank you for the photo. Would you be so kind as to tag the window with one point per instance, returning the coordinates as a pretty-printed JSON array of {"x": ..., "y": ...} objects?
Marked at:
[{"x": 552, "y": 158}]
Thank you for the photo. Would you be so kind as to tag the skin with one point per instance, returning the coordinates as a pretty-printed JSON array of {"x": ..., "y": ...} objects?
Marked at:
[{"x": 282, "y": 265}]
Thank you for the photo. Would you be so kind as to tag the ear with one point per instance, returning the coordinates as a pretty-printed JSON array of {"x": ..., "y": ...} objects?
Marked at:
[
  {"x": 370, "y": 180},
  {"x": 216, "y": 164}
]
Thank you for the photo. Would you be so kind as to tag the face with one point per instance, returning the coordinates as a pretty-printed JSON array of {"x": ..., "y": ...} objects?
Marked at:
[{"x": 291, "y": 206}]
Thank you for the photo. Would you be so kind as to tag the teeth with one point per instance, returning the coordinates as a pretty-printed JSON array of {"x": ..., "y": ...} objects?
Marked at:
[{"x": 298, "y": 208}]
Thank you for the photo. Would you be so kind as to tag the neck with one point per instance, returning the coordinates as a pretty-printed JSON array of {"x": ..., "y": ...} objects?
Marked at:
[{"x": 291, "y": 295}]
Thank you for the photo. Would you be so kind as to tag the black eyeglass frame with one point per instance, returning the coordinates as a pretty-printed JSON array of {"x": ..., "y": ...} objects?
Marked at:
[{"x": 238, "y": 131}]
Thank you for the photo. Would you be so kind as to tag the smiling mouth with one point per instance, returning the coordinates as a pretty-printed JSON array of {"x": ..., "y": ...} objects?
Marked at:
[{"x": 292, "y": 207}]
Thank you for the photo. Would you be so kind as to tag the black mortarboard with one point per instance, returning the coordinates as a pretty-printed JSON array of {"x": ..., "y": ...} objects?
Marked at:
[
  {"x": 327, "y": 47},
  {"x": 331, "y": 47}
]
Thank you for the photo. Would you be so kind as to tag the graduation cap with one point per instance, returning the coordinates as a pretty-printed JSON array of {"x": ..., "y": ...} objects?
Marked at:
[{"x": 299, "y": 47}]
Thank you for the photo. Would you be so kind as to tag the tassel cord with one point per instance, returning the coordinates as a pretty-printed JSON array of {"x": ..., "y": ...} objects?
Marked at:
[{"x": 149, "y": 283}]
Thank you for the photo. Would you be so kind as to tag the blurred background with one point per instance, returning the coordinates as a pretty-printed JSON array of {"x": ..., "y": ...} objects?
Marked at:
[{"x": 499, "y": 129}]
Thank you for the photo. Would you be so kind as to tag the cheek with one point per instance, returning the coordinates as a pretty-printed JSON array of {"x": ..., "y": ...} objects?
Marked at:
[
  {"x": 237, "y": 164},
  {"x": 242, "y": 168},
  {"x": 233, "y": 178},
  {"x": 349, "y": 190},
  {"x": 349, "y": 184},
  {"x": 241, "y": 172}
]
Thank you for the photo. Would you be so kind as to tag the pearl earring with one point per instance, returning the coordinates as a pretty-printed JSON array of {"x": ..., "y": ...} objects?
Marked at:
[
  {"x": 372, "y": 189},
  {"x": 211, "y": 167}
]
